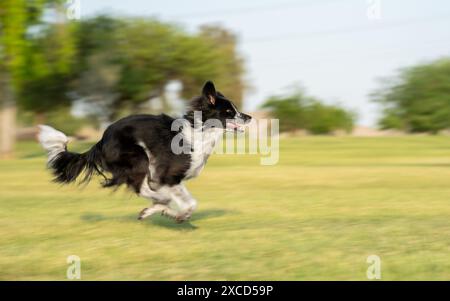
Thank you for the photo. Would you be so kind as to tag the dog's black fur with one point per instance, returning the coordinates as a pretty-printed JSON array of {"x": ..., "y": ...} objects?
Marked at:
[{"x": 119, "y": 154}]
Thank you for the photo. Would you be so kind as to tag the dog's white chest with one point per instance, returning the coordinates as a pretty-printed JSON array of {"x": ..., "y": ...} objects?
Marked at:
[{"x": 203, "y": 143}]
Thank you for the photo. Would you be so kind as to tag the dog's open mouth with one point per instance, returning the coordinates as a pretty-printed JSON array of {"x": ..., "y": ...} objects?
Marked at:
[{"x": 233, "y": 126}]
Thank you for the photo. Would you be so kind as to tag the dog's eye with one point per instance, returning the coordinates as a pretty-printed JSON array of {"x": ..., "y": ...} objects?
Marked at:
[{"x": 228, "y": 111}]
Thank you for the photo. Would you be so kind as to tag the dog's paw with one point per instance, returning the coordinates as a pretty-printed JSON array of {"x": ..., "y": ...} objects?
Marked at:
[
  {"x": 181, "y": 218},
  {"x": 142, "y": 214},
  {"x": 146, "y": 212}
]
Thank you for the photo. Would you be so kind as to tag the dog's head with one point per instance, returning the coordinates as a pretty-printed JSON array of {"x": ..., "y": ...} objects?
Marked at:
[{"x": 214, "y": 105}]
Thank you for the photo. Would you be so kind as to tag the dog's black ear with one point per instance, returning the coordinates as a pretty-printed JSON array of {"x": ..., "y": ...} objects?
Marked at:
[{"x": 209, "y": 91}]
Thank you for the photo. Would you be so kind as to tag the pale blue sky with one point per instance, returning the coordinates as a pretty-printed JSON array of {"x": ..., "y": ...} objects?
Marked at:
[{"x": 331, "y": 47}]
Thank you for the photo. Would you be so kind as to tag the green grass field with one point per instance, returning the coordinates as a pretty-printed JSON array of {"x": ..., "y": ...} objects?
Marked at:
[{"x": 317, "y": 215}]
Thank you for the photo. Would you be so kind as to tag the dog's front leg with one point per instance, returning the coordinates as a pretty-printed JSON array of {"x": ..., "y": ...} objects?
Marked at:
[{"x": 189, "y": 202}]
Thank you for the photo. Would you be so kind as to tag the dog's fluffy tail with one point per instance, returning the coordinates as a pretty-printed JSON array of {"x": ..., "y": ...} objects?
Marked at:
[{"x": 65, "y": 165}]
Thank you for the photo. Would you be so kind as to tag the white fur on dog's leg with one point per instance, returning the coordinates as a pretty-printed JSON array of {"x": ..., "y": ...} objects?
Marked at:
[
  {"x": 178, "y": 196},
  {"x": 185, "y": 215},
  {"x": 181, "y": 198},
  {"x": 146, "y": 212},
  {"x": 190, "y": 201},
  {"x": 185, "y": 201}
]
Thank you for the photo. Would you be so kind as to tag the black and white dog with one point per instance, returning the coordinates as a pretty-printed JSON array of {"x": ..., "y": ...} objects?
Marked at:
[{"x": 151, "y": 154}]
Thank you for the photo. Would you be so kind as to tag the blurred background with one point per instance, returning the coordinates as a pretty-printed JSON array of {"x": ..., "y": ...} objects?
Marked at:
[
  {"x": 362, "y": 92},
  {"x": 321, "y": 66}
]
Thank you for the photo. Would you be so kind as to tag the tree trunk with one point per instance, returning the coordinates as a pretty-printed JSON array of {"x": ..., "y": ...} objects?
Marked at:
[
  {"x": 7, "y": 118},
  {"x": 8, "y": 131}
]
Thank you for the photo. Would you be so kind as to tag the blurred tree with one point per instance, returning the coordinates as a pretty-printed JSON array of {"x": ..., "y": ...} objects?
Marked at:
[
  {"x": 324, "y": 119},
  {"x": 99, "y": 66},
  {"x": 212, "y": 54},
  {"x": 290, "y": 110},
  {"x": 418, "y": 99},
  {"x": 298, "y": 111},
  {"x": 147, "y": 48},
  {"x": 111, "y": 65},
  {"x": 49, "y": 68},
  {"x": 127, "y": 62},
  {"x": 123, "y": 63},
  {"x": 19, "y": 19},
  {"x": 13, "y": 25}
]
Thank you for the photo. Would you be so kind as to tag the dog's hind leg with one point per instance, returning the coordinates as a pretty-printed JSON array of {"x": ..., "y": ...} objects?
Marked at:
[{"x": 158, "y": 208}]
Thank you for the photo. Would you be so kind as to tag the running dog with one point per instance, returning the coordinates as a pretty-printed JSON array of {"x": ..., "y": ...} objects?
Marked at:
[{"x": 151, "y": 154}]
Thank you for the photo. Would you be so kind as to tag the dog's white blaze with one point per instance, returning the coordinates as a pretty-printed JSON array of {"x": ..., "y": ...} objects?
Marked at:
[{"x": 53, "y": 141}]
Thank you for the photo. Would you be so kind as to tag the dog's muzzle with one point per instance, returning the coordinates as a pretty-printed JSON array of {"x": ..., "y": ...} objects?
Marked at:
[{"x": 238, "y": 123}]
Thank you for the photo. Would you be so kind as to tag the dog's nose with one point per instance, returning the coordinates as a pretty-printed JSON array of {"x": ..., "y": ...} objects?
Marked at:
[{"x": 247, "y": 118}]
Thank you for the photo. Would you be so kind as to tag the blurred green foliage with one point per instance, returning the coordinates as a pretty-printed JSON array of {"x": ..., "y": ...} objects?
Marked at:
[
  {"x": 299, "y": 111},
  {"x": 113, "y": 64},
  {"x": 30, "y": 48},
  {"x": 417, "y": 99},
  {"x": 49, "y": 68}
]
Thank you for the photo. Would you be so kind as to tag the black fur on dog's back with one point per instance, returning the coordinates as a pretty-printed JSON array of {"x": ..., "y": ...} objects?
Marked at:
[
  {"x": 120, "y": 155},
  {"x": 125, "y": 158}
]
